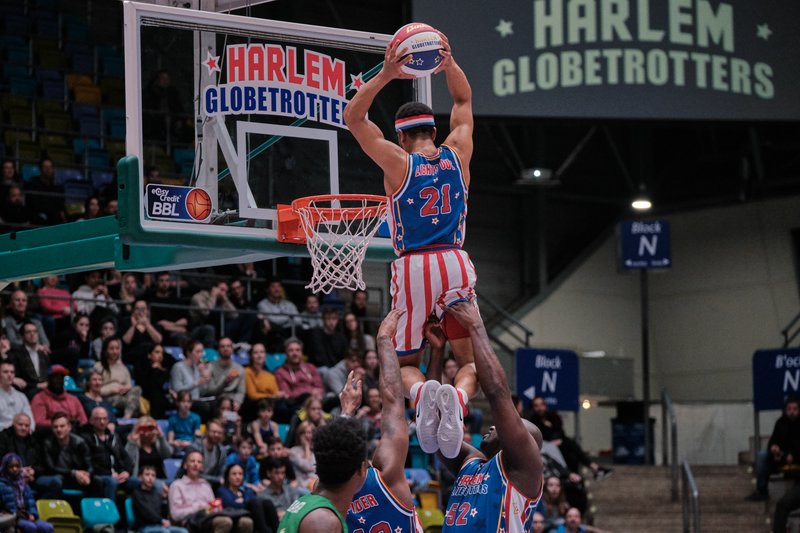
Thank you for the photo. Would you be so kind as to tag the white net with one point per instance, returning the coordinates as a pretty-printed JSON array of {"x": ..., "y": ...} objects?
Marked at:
[{"x": 338, "y": 230}]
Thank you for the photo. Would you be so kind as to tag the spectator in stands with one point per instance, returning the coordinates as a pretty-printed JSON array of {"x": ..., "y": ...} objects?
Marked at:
[
  {"x": 327, "y": 345},
  {"x": 108, "y": 330},
  {"x": 172, "y": 322},
  {"x": 280, "y": 312},
  {"x": 277, "y": 451},
  {"x": 9, "y": 176},
  {"x": 118, "y": 387},
  {"x": 91, "y": 207},
  {"x": 572, "y": 522},
  {"x": 73, "y": 344},
  {"x": 227, "y": 376},
  {"x": 46, "y": 198},
  {"x": 336, "y": 378},
  {"x": 235, "y": 494},
  {"x": 371, "y": 414},
  {"x": 184, "y": 426},
  {"x": 242, "y": 454},
  {"x": 140, "y": 334},
  {"x": 54, "y": 304},
  {"x": 783, "y": 447},
  {"x": 238, "y": 295},
  {"x": 310, "y": 411},
  {"x": 279, "y": 491},
  {"x": 298, "y": 380},
  {"x": 190, "y": 496},
  {"x": 214, "y": 452},
  {"x": 55, "y": 400},
  {"x": 14, "y": 213},
  {"x": 92, "y": 298},
  {"x": 92, "y": 397},
  {"x": 162, "y": 97},
  {"x": 154, "y": 379},
  {"x": 111, "y": 466},
  {"x": 554, "y": 503},
  {"x": 17, "y": 497},
  {"x": 66, "y": 457},
  {"x": 231, "y": 420},
  {"x": 537, "y": 526},
  {"x": 372, "y": 370},
  {"x": 358, "y": 306},
  {"x": 552, "y": 428},
  {"x": 147, "y": 446},
  {"x": 5, "y": 346},
  {"x": 241, "y": 328},
  {"x": 30, "y": 361},
  {"x": 302, "y": 456},
  {"x": 147, "y": 503},
  {"x": 208, "y": 305},
  {"x": 111, "y": 207},
  {"x": 260, "y": 383},
  {"x": 17, "y": 315},
  {"x": 311, "y": 317},
  {"x": 192, "y": 374},
  {"x": 18, "y": 439},
  {"x": 129, "y": 293},
  {"x": 263, "y": 428},
  {"x": 358, "y": 340},
  {"x": 12, "y": 402}
]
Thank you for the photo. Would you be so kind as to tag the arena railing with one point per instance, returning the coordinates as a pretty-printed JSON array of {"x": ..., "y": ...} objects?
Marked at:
[
  {"x": 691, "y": 501},
  {"x": 790, "y": 332},
  {"x": 669, "y": 447},
  {"x": 505, "y": 316}
]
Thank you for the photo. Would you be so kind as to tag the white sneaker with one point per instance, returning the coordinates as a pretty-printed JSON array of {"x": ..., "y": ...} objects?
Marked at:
[
  {"x": 428, "y": 417},
  {"x": 451, "y": 427}
]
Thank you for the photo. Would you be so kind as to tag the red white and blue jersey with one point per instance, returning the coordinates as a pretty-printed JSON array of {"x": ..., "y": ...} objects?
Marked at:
[
  {"x": 483, "y": 500},
  {"x": 375, "y": 509},
  {"x": 429, "y": 209}
]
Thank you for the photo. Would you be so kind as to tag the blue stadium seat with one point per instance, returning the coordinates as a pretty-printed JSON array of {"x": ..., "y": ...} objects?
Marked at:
[
  {"x": 274, "y": 360},
  {"x": 53, "y": 90},
  {"x": 129, "y": 516},
  {"x": 283, "y": 431},
  {"x": 81, "y": 144},
  {"x": 101, "y": 178},
  {"x": 22, "y": 86},
  {"x": 17, "y": 25},
  {"x": 90, "y": 126},
  {"x": 64, "y": 175},
  {"x": 175, "y": 351},
  {"x": 80, "y": 111},
  {"x": 164, "y": 425},
  {"x": 29, "y": 170},
  {"x": 70, "y": 385},
  {"x": 96, "y": 511},
  {"x": 210, "y": 355},
  {"x": 171, "y": 467},
  {"x": 116, "y": 128},
  {"x": 83, "y": 63}
]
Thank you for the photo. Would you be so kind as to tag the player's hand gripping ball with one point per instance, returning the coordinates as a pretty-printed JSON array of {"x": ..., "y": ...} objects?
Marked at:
[{"x": 421, "y": 44}]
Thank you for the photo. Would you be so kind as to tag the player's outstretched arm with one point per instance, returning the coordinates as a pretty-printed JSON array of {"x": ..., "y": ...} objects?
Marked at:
[
  {"x": 521, "y": 457},
  {"x": 387, "y": 155},
  {"x": 390, "y": 455},
  {"x": 461, "y": 120}
]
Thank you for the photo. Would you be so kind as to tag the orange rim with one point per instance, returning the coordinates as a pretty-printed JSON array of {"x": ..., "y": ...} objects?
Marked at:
[{"x": 341, "y": 213}]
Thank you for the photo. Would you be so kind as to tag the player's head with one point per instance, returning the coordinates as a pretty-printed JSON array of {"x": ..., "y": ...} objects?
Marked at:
[
  {"x": 491, "y": 442},
  {"x": 414, "y": 121},
  {"x": 340, "y": 448}
]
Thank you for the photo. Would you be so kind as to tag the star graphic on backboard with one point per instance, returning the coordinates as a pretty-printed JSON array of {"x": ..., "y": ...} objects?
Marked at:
[
  {"x": 362, "y": 520},
  {"x": 434, "y": 221},
  {"x": 410, "y": 201},
  {"x": 504, "y": 28},
  {"x": 474, "y": 512},
  {"x": 212, "y": 63},
  {"x": 763, "y": 31},
  {"x": 356, "y": 81}
]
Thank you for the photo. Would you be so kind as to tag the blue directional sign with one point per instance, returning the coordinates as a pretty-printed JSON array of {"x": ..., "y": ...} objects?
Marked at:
[
  {"x": 776, "y": 375},
  {"x": 645, "y": 244},
  {"x": 552, "y": 374}
]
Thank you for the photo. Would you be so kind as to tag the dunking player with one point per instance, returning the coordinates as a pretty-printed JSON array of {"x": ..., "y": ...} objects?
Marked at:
[
  {"x": 427, "y": 188},
  {"x": 498, "y": 494},
  {"x": 384, "y": 500},
  {"x": 340, "y": 449}
]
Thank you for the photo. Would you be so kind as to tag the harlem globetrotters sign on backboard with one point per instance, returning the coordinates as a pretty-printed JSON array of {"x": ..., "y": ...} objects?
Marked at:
[{"x": 693, "y": 59}]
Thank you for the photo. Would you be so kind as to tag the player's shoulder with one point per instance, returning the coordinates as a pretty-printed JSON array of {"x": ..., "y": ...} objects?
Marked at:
[{"x": 320, "y": 519}]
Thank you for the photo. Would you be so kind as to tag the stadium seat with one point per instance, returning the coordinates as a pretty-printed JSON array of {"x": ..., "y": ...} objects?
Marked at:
[
  {"x": 17, "y": 25},
  {"x": 61, "y": 156},
  {"x": 96, "y": 511},
  {"x": 63, "y": 175},
  {"x": 477, "y": 438},
  {"x": 75, "y": 195},
  {"x": 88, "y": 94},
  {"x": 82, "y": 63},
  {"x": 210, "y": 355},
  {"x": 431, "y": 518},
  {"x": 129, "y": 516},
  {"x": 90, "y": 126},
  {"x": 29, "y": 170},
  {"x": 49, "y": 140},
  {"x": 283, "y": 431},
  {"x": 10, "y": 71},
  {"x": 22, "y": 86},
  {"x": 171, "y": 467},
  {"x": 418, "y": 478},
  {"x": 57, "y": 121},
  {"x": 75, "y": 80},
  {"x": 176, "y": 352},
  {"x": 53, "y": 59},
  {"x": 164, "y": 425},
  {"x": 81, "y": 144},
  {"x": 101, "y": 178},
  {"x": 274, "y": 360},
  {"x": 60, "y": 514},
  {"x": 52, "y": 90}
]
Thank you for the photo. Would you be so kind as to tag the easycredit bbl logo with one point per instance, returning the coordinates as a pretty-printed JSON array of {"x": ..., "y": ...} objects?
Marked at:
[{"x": 175, "y": 202}]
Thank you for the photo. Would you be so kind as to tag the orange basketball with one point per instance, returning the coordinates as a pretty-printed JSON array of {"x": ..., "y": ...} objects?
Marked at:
[{"x": 198, "y": 204}]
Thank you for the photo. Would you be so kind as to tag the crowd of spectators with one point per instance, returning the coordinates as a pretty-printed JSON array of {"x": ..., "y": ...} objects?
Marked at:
[{"x": 106, "y": 377}]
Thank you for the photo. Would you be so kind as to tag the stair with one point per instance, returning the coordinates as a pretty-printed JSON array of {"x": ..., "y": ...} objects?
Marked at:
[{"x": 637, "y": 498}]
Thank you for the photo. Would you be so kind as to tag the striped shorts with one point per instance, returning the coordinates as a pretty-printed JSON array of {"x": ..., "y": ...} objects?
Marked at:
[{"x": 427, "y": 282}]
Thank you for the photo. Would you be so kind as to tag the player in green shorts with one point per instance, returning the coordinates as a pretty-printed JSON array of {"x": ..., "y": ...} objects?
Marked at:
[{"x": 340, "y": 448}]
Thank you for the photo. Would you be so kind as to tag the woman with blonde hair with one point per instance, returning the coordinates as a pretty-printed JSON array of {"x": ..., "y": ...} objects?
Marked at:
[{"x": 302, "y": 456}]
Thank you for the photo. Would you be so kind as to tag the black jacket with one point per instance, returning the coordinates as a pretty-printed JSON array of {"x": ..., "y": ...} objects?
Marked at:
[
  {"x": 107, "y": 456},
  {"x": 26, "y": 448},
  {"x": 787, "y": 436},
  {"x": 147, "y": 507},
  {"x": 76, "y": 453}
]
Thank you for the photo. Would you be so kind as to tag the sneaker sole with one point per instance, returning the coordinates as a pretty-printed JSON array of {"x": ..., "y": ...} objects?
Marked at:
[
  {"x": 451, "y": 426},
  {"x": 428, "y": 417}
]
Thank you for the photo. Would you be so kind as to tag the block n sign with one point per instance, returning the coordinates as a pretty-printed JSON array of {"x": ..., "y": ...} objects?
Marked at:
[
  {"x": 552, "y": 374},
  {"x": 645, "y": 244},
  {"x": 776, "y": 375}
]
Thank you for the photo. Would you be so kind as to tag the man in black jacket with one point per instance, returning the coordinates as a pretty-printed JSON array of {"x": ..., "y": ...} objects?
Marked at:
[
  {"x": 783, "y": 448},
  {"x": 111, "y": 465},
  {"x": 18, "y": 439},
  {"x": 66, "y": 457}
]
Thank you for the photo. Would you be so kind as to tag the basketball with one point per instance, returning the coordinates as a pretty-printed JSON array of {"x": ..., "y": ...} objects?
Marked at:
[
  {"x": 198, "y": 204},
  {"x": 422, "y": 44}
]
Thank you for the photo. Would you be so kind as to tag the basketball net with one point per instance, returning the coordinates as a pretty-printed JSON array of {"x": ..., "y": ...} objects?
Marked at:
[{"x": 337, "y": 237}]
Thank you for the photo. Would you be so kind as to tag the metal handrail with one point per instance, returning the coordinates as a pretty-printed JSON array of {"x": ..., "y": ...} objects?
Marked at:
[
  {"x": 785, "y": 331},
  {"x": 511, "y": 318},
  {"x": 670, "y": 447},
  {"x": 691, "y": 498}
]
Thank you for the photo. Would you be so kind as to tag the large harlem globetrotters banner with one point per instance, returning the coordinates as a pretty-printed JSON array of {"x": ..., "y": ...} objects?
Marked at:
[
  {"x": 278, "y": 80},
  {"x": 689, "y": 59}
]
